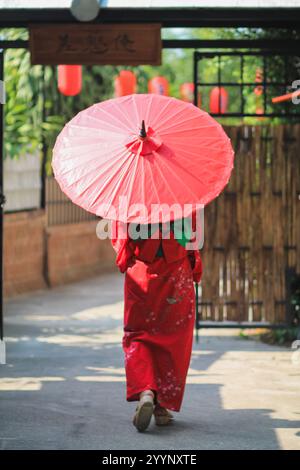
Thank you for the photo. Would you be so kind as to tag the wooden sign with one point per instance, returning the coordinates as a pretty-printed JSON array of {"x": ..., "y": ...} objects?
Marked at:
[{"x": 115, "y": 44}]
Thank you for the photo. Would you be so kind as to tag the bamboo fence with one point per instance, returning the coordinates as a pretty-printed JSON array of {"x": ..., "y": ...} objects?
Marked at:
[{"x": 252, "y": 231}]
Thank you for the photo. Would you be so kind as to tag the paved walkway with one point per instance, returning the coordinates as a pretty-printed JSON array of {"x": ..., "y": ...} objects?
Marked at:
[{"x": 64, "y": 384}]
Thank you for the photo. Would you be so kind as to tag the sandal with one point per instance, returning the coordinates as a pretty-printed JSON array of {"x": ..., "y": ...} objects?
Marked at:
[
  {"x": 162, "y": 416},
  {"x": 144, "y": 411}
]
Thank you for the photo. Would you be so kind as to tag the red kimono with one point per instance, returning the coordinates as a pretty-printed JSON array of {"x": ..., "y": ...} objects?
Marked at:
[{"x": 159, "y": 315}]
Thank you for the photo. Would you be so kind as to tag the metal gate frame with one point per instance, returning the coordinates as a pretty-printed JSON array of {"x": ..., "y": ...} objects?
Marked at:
[
  {"x": 241, "y": 85},
  {"x": 265, "y": 50}
]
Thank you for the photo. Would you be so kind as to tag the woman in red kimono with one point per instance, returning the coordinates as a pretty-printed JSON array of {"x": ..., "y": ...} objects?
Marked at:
[{"x": 159, "y": 316}]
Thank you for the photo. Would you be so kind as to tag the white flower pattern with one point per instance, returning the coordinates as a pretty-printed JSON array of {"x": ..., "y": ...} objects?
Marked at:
[
  {"x": 169, "y": 388},
  {"x": 183, "y": 290},
  {"x": 128, "y": 351}
]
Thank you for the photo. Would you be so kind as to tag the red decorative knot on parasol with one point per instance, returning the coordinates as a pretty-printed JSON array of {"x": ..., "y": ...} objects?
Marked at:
[{"x": 145, "y": 142}]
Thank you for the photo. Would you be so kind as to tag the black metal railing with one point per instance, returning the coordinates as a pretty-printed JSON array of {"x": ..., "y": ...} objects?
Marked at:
[
  {"x": 270, "y": 63},
  {"x": 60, "y": 209}
]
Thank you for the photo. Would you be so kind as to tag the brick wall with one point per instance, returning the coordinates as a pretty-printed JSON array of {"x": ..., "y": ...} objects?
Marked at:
[
  {"x": 36, "y": 256},
  {"x": 74, "y": 252},
  {"x": 24, "y": 251}
]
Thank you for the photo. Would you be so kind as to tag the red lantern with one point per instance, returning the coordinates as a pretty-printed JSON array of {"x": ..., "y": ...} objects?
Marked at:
[
  {"x": 187, "y": 92},
  {"x": 258, "y": 90},
  {"x": 159, "y": 86},
  {"x": 125, "y": 83},
  {"x": 218, "y": 101},
  {"x": 69, "y": 79}
]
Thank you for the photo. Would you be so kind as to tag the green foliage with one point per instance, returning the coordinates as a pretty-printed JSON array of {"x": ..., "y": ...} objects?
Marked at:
[
  {"x": 295, "y": 299},
  {"x": 23, "y": 101},
  {"x": 280, "y": 336},
  {"x": 35, "y": 111}
]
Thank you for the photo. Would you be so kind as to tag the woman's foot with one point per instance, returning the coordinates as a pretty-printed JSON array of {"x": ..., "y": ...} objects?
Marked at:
[
  {"x": 144, "y": 410},
  {"x": 162, "y": 416}
]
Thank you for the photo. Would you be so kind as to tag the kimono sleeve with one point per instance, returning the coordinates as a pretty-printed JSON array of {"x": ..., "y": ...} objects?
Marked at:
[
  {"x": 123, "y": 245},
  {"x": 196, "y": 264}
]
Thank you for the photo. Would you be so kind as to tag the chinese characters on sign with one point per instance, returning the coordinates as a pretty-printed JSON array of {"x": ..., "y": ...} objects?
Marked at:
[
  {"x": 96, "y": 44},
  {"x": 125, "y": 44}
]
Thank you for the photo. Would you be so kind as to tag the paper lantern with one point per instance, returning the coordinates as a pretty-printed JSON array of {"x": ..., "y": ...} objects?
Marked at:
[
  {"x": 125, "y": 83},
  {"x": 159, "y": 86},
  {"x": 258, "y": 90},
  {"x": 69, "y": 79},
  {"x": 218, "y": 101},
  {"x": 187, "y": 92}
]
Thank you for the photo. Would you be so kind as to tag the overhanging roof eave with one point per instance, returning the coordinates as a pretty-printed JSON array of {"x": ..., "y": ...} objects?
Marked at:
[{"x": 168, "y": 17}]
